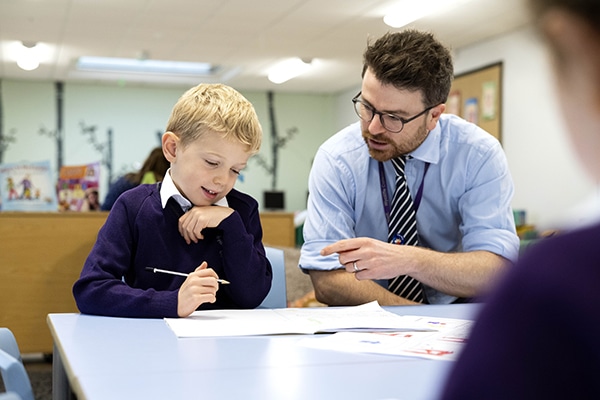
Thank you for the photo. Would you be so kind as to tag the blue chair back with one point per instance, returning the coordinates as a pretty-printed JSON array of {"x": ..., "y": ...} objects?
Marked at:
[
  {"x": 15, "y": 378},
  {"x": 10, "y": 396},
  {"x": 277, "y": 297},
  {"x": 9, "y": 344}
]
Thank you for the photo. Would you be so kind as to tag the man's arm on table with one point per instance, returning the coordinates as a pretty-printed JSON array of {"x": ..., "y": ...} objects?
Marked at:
[
  {"x": 458, "y": 274},
  {"x": 340, "y": 288},
  {"x": 467, "y": 274}
]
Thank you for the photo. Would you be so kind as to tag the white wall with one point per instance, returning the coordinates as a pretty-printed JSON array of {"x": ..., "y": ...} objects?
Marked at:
[
  {"x": 548, "y": 178},
  {"x": 137, "y": 114},
  {"x": 313, "y": 116},
  {"x": 549, "y": 182},
  {"x": 344, "y": 110}
]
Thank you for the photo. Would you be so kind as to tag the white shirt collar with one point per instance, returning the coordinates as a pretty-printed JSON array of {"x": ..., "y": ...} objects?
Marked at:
[{"x": 168, "y": 190}]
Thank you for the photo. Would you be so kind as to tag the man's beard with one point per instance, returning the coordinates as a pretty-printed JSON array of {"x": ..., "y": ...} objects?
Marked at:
[
  {"x": 394, "y": 150},
  {"x": 380, "y": 155}
]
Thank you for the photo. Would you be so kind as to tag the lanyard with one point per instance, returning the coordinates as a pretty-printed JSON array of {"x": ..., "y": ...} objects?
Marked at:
[{"x": 387, "y": 208}]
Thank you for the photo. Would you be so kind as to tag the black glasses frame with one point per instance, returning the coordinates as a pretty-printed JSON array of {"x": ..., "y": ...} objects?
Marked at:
[{"x": 404, "y": 121}]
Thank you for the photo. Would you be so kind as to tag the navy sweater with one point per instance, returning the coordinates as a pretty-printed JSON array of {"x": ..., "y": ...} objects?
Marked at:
[
  {"x": 537, "y": 337},
  {"x": 139, "y": 233}
]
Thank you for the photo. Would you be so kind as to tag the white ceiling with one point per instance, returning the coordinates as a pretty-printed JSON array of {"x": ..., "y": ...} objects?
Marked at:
[{"x": 250, "y": 35}]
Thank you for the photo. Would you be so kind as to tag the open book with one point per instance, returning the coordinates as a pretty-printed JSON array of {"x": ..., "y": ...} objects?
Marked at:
[{"x": 368, "y": 317}]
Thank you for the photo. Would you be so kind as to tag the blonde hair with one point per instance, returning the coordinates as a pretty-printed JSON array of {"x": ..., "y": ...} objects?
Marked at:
[{"x": 215, "y": 108}]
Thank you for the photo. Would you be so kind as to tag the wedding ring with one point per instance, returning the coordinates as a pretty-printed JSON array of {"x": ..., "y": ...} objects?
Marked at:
[{"x": 355, "y": 267}]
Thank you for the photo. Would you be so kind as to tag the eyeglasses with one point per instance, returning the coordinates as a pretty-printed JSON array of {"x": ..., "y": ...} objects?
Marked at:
[{"x": 390, "y": 122}]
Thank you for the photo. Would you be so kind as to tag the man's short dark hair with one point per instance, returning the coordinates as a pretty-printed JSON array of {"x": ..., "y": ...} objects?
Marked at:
[{"x": 412, "y": 60}]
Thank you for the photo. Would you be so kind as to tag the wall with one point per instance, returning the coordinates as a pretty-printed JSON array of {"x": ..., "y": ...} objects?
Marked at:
[
  {"x": 137, "y": 114},
  {"x": 313, "y": 115},
  {"x": 134, "y": 114},
  {"x": 549, "y": 182},
  {"x": 548, "y": 179}
]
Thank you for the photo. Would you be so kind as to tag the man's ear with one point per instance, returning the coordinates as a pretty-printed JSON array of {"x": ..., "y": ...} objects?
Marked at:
[
  {"x": 435, "y": 115},
  {"x": 170, "y": 142}
]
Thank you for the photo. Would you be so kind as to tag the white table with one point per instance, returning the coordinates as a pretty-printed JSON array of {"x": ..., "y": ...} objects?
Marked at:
[{"x": 121, "y": 358}]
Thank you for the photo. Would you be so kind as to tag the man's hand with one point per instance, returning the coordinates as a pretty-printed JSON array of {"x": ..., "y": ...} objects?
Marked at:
[
  {"x": 373, "y": 259},
  {"x": 461, "y": 274}
]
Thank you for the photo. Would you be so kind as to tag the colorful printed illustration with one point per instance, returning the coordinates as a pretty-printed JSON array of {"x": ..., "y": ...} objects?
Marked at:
[
  {"x": 471, "y": 110},
  {"x": 78, "y": 187},
  {"x": 11, "y": 187},
  {"x": 29, "y": 186},
  {"x": 488, "y": 100}
]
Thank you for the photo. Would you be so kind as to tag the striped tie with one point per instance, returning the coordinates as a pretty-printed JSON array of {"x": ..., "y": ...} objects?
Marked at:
[{"x": 403, "y": 230}]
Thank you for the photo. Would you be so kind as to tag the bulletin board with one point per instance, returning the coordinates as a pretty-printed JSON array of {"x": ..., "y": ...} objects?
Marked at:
[{"x": 477, "y": 97}]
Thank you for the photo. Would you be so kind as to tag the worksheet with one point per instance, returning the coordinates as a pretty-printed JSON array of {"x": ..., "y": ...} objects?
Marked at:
[
  {"x": 437, "y": 338},
  {"x": 370, "y": 317}
]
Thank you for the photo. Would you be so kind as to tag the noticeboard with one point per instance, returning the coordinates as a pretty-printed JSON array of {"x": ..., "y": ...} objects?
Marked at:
[{"x": 477, "y": 97}]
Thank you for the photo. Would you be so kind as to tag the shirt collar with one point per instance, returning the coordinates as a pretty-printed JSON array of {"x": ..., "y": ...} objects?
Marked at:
[
  {"x": 168, "y": 190},
  {"x": 429, "y": 150}
]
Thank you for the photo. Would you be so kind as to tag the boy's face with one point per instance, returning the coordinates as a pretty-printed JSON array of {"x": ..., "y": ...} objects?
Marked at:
[{"x": 206, "y": 170}]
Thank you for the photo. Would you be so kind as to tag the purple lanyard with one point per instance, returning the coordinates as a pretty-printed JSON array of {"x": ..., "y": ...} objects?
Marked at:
[{"x": 387, "y": 208}]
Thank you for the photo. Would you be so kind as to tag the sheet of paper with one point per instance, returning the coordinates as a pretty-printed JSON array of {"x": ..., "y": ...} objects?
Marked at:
[
  {"x": 443, "y": 343},
  {"x": 366, "y": 317}
]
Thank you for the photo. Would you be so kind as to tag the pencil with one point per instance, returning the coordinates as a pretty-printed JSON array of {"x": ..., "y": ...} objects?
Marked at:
[{"x": 166, "y": 271}]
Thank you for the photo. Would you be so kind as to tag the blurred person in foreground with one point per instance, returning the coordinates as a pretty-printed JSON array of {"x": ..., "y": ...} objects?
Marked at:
[{"x": 537, "y": 335}]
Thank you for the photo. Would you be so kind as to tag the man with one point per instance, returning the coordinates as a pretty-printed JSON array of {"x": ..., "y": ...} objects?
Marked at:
[{"x": 456, "y": 173}]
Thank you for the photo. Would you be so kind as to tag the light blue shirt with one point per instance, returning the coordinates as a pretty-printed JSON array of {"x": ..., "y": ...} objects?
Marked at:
[{"x": 466, "y": 203}]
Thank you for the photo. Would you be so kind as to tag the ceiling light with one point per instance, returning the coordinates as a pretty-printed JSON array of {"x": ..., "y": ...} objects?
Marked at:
[
  {"x": 406, "y": 11},
  {"x": 28, "y": 57},
  {"x": 133, "y": 65},
  {"x": 288, "y": 69}
]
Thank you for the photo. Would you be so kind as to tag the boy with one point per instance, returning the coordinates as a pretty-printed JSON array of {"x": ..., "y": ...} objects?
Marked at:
[{"x": 212, "y": 132}]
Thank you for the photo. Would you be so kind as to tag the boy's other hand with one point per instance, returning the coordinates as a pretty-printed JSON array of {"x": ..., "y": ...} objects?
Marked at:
[{"x": 197, "y": 218}]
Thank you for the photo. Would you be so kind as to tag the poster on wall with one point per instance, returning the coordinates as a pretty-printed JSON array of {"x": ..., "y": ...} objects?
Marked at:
[
  {"x": 78, "y": 187},
  {"x": 488, "y": 100},
  {"x": 453, "y": 103},
  {"x": 480, "y": 98},
  {"x": 27, "y": 186},
  {"x": 471, "y": 113}
]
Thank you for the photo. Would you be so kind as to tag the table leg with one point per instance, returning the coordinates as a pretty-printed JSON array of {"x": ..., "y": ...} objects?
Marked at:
[{"x": 61, "y": 390}]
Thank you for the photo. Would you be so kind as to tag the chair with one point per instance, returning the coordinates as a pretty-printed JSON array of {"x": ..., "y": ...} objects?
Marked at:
[
  {"x": 10, "y": 396},
  {"x": 8, "y": 343},
  {"x": 15, "y": 378},
  {"x": 277, "y": 296}
]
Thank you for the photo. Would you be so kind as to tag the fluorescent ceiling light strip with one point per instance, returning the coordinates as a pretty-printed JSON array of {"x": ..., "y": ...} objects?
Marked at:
[
  {"x": 144, "y": 66},
  {"x": 406, "y": 11},
  {"x": 400, "y": 19}
]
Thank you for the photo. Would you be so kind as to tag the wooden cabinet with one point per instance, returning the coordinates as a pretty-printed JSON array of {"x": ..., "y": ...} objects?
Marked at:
[
  {"x": 41, "y": 256},
  {"x": 278, "y": 229}
]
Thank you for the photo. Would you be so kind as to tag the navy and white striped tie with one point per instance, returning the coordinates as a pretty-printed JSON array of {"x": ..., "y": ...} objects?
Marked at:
[{"x": 403, "y": 230}]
